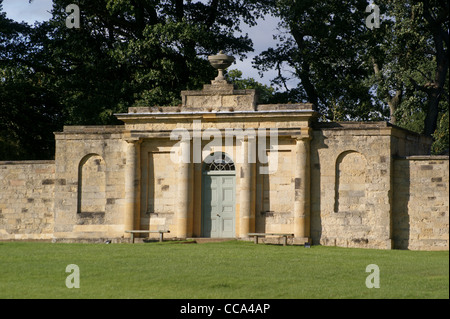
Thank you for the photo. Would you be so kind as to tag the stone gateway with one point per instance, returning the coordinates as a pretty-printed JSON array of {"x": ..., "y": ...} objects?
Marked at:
[{"x": 223, "y": 166}]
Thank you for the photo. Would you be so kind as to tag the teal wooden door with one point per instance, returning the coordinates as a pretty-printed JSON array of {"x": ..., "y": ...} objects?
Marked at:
[{"x": 218, "y": 205}]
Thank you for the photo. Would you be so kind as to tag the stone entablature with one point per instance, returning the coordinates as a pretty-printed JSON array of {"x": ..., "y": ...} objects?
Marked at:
[{"x": 218, "y": 98}]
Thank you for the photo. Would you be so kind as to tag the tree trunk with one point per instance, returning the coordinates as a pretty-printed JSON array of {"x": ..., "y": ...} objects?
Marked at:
[
  {"x": 392, "y": 101},
  {"x": 435, "y": 89},
  {"x": 432, "y": 113},
  {"x": 304, "y": 72}
]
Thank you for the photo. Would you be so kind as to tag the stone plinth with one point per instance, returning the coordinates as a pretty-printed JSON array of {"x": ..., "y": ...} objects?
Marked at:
[{"x": 219, "y": 96}]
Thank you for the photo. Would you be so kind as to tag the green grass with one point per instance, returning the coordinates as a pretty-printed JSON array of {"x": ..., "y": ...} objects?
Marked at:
[{"x": 217, "y": 270}]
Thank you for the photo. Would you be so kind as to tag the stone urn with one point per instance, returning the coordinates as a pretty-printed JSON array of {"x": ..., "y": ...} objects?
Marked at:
[{"x": 220, "y": 62}]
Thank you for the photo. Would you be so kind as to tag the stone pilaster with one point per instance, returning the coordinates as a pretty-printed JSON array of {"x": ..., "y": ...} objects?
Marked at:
[
  {"x": 302, "y": 219},
  {"x": 132, "y": 183},
  {"x": 247, "y": 187},
  {"x": 184, "y": 204}
]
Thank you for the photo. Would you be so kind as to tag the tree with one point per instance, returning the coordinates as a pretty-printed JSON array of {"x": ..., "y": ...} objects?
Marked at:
[
  {"x": 159, "y": 47},
  {"x": 265, "y": 93},
  {"x": 398, "y": 71},
  {"x": 125, "y": 53},
  {"x": 326, "y": 44},
  {"x": 28, "y": 112},
  {"x": 414, "y": 65}
]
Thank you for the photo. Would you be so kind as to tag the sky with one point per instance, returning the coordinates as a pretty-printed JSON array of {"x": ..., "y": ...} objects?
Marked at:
[
  {"x": 21, "y": 10},
  {"x": 261, "y": 35}
]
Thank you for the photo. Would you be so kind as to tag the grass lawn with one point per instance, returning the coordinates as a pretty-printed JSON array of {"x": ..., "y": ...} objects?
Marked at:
[{"x": 217, "y": 270}]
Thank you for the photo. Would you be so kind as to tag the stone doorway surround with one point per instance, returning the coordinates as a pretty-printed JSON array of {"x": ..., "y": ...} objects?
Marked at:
[{"x": 218, "y": 197}]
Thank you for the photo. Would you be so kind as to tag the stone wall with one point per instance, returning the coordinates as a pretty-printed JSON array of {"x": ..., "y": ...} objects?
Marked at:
[
  {"x": 350, "y": 185},
  {"x": 371, "y": 187},
  {"x": 275, "y": 214},
  {"x": 26, "y": 200},
  {"x": 158, "y": 187},
  {"x": 89, "y": 197},
  {"x": 421, "y": 205},
  {"x": 368, "y": 187}
]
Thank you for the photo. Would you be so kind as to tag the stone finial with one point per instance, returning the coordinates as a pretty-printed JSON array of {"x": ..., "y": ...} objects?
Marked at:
[
  {"x": 219, "y": 95},
  {"x": 220, "y": 62}
]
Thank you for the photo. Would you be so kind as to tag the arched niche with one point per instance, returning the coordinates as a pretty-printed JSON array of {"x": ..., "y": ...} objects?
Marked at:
[
  {"x": 91, "y": 184},
  {"x": 350, "y": 186}
]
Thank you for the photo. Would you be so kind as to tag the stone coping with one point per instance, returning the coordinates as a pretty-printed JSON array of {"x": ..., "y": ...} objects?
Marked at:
[
  {"x": 99, "y": 129},
  {"x": 423, "y": 157},
  {"x": 20, "y": 162},
  {"x": 261, "y": 108}
]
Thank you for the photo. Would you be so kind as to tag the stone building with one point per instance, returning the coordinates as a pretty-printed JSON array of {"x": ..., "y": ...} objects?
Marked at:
[{"x": 223, "y": 166}]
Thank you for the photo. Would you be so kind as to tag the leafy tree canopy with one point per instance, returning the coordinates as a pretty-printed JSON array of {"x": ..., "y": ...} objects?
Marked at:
[
  {"x": 126, "y": 52},
  {"x": 397, "y": 72},
  {"x": 144, "y": 52}
]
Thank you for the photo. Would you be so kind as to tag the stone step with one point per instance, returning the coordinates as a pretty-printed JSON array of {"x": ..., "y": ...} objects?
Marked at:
[{"x": 210, "y": 240}]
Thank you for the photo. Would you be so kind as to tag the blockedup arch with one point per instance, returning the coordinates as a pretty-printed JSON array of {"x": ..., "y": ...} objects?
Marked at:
[
  {"x": 218, "y": 161},
  {"x": 91, "y": 184},
  {"x": 350, "y": 186}
]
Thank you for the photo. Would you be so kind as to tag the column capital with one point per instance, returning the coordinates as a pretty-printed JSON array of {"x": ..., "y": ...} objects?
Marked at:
[
  {"x": 305, "y": 134},
  {"x": 303, "y": 138},
  {"x": 246, "y": 138},
  {"x": 134, "y": 140}
]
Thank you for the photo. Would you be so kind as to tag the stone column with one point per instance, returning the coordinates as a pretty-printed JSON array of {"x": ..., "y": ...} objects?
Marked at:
[
  {"x": 246, "y": 193},
  {"x": 184, "y": 190},
  {"x": 132, "y": 181},
  {"x": 302, "y": 227}
]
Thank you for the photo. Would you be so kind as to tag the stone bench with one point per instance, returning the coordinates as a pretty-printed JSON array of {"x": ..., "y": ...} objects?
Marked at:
[
  {"x": 257, "y": 235},
  {"x": 160, "y": 232}
]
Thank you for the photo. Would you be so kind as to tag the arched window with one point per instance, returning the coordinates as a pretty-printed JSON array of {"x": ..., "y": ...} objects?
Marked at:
[{"x": 218, "y": 161}]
